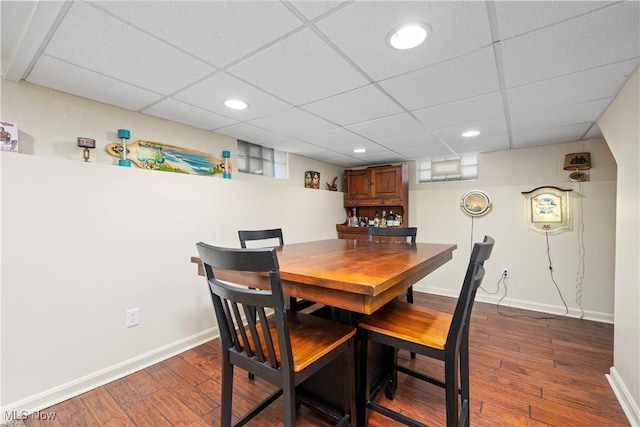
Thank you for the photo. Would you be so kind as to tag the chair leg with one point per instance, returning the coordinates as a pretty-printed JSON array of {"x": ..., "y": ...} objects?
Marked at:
[
  {"x": 464, "y": 377},
  {"x": 289, "y": 402},
  {"x": 227, "y": 393},
  {"x": 290, "y": 303},
  {"x": 451, "y": 389},
  {"x": 349, "y": 389},
  {"x": 391, "y": 360},
  {"x": 363, "y": 390},
  {"x": 410, "y": 301}
]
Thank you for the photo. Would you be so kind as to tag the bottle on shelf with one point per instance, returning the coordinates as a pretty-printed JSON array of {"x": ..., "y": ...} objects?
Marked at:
[
  {"x": 391, "y": 221},
  {"x": 376, "y": 220},
  {"x": 383, "y": 220}
]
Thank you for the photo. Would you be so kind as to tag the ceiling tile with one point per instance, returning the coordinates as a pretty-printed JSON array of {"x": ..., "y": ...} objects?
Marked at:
[
  {"x": 593, "y": 132},
  {"x": 426, "y": 152},
  {"x": 386, "y": 157},
  {"x": 292, "y": 122},
  {"x": 312, "y": 9},
  {"x": 595, "y": 83},
  {"x": 332, "y": 138},
  {"x": 589, "y": 41},
  {"x": 413, "y": 140},
  {"x": 214, "y": 31},
  {"x": 335, "y": 158},
  {"x": 358, "y": 105},
  {"x": 97, "y": 41},
  {"x": 480, "y": 145},
  {"x": 561, "y": 116},
  {"x": 369, "y": 146},
  {"x": 177, "y": 111},
  {"x": 210, "y": 94},
  {"x": 291, "y": 145},
  {"x": 302, "y": 69},
  {"x": 487, "y": 128},
  {"x": 456, "y": 28},
  {"x": 249, "y": 133},
  {"x": 549, "y": 136},
  {"x": 62, "y": 76},
  {"x": 476, "y": 109},
  {"x": 459, "y": 78},
  {"x": 399, "y": 124},
  {"x": 519, "y": 17}
]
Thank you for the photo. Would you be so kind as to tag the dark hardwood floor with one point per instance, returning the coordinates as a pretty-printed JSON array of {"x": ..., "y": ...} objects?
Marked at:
[{"x": 524, "y": 372}]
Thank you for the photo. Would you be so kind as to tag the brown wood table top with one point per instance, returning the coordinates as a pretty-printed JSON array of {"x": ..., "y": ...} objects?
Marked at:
[{"x": 355, "y": 275}]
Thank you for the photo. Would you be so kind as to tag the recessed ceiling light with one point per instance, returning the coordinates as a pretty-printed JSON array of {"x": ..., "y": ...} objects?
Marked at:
[
  {"x": 471, "y": 133},
  {"x": 359, "y": 150},
  {"x": 408, "y": 36},
  {"x": 236, "y": 104}
]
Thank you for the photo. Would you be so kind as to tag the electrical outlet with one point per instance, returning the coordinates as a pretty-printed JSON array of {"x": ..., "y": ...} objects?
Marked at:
[
  {"x": 133, "y": 317},
  {"x": 505, "y": 272}
]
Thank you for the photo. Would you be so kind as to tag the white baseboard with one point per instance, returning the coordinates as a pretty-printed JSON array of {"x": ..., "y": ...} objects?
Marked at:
[
  {"x": 629, "y": 407},
  {"x": 89, "y": 382},
  {"x": 525, "y": 305}
]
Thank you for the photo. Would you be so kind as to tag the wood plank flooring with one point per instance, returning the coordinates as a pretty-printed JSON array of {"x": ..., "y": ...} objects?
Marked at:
[{"x": 524, "y": 372}]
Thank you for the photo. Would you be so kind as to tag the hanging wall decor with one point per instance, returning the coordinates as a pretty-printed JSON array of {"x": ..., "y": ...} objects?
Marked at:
[
  {"x": 547, "y": 209},
  {"x": 171, "y": 158},
  {"x": 577, "y": 162},
  {"x": 476, "y": 203}
]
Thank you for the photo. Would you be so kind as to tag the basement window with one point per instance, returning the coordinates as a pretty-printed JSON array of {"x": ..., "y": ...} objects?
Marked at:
[
  {"x": 448, "y": 169},
  {"x": 258, "y": 160}
]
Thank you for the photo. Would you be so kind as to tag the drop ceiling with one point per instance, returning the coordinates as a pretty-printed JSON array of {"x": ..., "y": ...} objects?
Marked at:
[{"x": 321, "y": 79}]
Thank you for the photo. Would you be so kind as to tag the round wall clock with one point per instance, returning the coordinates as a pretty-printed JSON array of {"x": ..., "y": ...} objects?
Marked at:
[{"x": 475, "y": 203}]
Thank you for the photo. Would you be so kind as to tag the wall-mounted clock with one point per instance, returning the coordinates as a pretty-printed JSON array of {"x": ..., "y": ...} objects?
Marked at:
[{"x": 475, "y": 203}]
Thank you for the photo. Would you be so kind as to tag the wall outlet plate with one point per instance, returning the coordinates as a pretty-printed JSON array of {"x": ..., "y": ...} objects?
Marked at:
[{"x": 133, "y": 317}]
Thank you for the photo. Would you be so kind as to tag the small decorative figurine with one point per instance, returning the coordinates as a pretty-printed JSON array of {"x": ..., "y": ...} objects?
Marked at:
[{"x": 334, "y": 186}]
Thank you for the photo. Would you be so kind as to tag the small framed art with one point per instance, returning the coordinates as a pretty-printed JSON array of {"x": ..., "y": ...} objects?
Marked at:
[{"x": 547, "y": 209}]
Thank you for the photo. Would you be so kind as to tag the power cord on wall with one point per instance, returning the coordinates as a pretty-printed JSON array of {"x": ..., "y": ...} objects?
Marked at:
[
  {"x": 504, "y": 279},
  {"x": 581, "y": 252}
]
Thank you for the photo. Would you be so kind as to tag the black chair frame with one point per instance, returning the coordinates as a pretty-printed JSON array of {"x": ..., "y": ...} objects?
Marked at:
[
  {"x": 248, "y": 342},
  {"x": 455, "y": 354}
]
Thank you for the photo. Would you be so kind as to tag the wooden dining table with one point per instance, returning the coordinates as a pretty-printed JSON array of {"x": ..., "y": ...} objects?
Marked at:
[
  {"x": 359, "y": 276},
  {"x": 348, "y": 278}
]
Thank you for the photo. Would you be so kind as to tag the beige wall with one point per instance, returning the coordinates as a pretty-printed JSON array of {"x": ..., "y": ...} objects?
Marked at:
[
  {"x": 621, "y": 127},
  {"x": 504, "y": 175},
  {"x": 52, "y": 127}
]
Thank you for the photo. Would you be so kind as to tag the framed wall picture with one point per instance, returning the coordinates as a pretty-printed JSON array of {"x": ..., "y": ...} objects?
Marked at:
[
  {"x": 8, "y": 137},
  {"x": 475, "y": 203},
  {"x": 547, "y": 209}
]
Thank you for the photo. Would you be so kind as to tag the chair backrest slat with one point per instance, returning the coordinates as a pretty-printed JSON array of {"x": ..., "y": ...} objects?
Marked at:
[
  {"x": 241, "y": 310},
  {"x": 249, "y": 235},
  {"x": 394, "y": 232},
  {"x": 472, "y": 281},
  {"x": 268, "y": 339}
]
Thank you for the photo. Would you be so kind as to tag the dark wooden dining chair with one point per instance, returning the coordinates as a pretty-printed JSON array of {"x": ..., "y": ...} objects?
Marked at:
[
  {"x": 274, "y": 234},
  {"x": 407, "y": 232},
  {"x": 284, "y": 348},
  {"x": 410, "y": 232},
  {"x": 250, "y": 235},
  {"x": 439, "y": 335}
]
